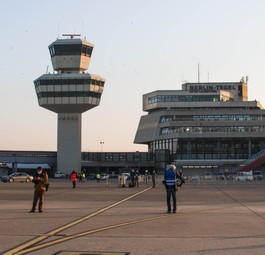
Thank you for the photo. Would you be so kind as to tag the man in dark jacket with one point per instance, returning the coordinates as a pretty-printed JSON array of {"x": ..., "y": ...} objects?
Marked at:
[
  {"x": 40, "y": 180},
  {"x": 170, "y": 184}
]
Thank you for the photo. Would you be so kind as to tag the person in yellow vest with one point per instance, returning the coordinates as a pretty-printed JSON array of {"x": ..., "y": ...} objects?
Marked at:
[
  {"x": 98, "y": 177},
  {"x": 84, "y": 177}
]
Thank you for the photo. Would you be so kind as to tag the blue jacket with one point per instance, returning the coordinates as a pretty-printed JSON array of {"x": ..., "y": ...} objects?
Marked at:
[{"x": 170, "y": 178}]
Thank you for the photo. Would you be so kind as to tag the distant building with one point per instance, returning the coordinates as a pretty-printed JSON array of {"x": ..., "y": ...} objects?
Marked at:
[
  {"x": 4, "y": 169},
  {"x": 203, "y": 125}
]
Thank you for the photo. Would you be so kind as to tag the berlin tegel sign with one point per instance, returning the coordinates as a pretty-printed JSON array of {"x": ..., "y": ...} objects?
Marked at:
[{"x": 211, "y": 87}]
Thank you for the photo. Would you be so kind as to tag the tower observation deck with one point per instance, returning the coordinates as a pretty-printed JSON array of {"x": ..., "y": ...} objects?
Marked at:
[{"x": 69, "y": 91}]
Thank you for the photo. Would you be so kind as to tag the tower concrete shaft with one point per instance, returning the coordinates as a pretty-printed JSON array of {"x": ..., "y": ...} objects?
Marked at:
[{"x": 69, "y": 141}]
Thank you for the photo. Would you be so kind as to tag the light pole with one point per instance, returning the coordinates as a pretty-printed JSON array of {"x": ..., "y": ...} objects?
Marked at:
[
  {"x": 101, "y": 156},
  {"x": 101, "y": 146},
  {"x": 137, "y": 154}
]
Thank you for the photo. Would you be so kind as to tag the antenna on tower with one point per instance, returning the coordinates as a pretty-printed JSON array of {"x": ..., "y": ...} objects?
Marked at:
[
  {"x": 71, "y": 35},
  {"x": 47, "y": 69},
  {"x": 198, "y": 72},
  {"x": 58, "y": 30}
]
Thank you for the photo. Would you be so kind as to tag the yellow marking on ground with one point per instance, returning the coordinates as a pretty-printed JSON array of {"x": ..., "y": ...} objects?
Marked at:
[
  {"x": 91, "y": 253},
  {"x": 70, "y": 237},
  {"x": 55, "y": 231}
]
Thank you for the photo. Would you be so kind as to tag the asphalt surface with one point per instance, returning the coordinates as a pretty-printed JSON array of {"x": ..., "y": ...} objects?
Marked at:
[{"x": 213, "y": 217}]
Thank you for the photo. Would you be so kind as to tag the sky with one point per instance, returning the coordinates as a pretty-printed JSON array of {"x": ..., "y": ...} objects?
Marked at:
[{"x": 140, "y": 46}]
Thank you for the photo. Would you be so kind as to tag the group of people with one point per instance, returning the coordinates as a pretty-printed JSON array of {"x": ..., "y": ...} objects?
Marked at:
[
  {"x": 135, "y": 177},
  {"x": 170, "y": 181},
  {"x": 74, "y": 176}
]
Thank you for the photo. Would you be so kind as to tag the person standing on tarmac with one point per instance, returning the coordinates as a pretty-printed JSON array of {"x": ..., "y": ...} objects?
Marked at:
[
  {"x": 170, "y": 184},
  {"x": 80, "y": 177},
  {"x": 132, "y": 175},
  {"x": 74, "y": 177},
  {"x": 98, "y": 177},
  {"x": 40, "y": 180},
  {"x": 146, "y": 174},
  {"x": 153, "y": 178},
  {"x": 136, "y": 178}
]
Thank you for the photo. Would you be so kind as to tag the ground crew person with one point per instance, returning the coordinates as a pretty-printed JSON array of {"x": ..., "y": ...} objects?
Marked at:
[
  {"x": 170, "y": 184},
  {"x": 146, "y": 176},
  {"x": 132, "y": 175},
  {"x": 74, "y": 177},
  {"x": 98, "y": 177},
  {"x": 137, "y": 178},
  {"x": 40, "y": 179}
]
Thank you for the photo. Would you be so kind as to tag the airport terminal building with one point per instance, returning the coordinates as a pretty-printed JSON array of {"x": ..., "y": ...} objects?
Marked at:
[{"x": 203, "y": 125}]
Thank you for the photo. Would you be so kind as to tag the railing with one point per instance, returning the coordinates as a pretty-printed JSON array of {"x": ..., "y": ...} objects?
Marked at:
[{"x": 250, "y": 163}]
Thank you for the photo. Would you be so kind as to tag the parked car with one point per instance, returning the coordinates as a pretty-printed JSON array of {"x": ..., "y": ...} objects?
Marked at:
[
  {"x": 17, "y": 177},
  {"x": 257, "y": 175},
  {"x": 244, "y": 176},
  {"x": 58, "y": 175},
  {"x": 208, "y": 176},
  {"x": 127, "y": 176},
  {"x": 103, "y": 176},
  {"x": 91, "y": 177},
  {"x": 219, "y": 176},
  {"x": 195, "y": 178}
]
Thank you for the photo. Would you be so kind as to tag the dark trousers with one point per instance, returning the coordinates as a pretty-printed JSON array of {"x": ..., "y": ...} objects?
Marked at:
[
  {"x": 38, "y": 195},
  {"x": 74, "y": 184},
  {"x": 171, "y": 192},
  {"x": 154, "y": 180},
  {"x": 133, "y": 180},
  {"x": 136, "y": 181}
]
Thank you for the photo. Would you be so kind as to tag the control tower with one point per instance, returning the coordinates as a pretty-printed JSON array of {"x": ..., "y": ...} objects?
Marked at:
[{"x": 69, "y": 91}]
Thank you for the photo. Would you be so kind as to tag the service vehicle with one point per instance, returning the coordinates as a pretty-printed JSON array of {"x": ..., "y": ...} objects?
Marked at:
[
  {"x": 257, "y": 175},
  {"x": 244, "y": 176}
]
